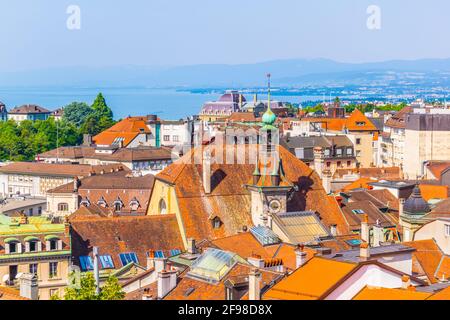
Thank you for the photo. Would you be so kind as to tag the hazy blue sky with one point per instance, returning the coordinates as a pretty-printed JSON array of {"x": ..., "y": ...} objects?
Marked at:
[{"x": 33, "y": 33}]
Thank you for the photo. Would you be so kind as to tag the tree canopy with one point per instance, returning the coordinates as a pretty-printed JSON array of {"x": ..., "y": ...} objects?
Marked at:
[
  {"x": 111, "y": 290},
  {"x": 23, "y": 141}
]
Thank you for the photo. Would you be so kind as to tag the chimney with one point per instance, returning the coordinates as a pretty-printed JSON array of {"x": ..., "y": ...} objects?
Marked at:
[
  {"x": 151, "y": 260},
  {"x": 406, "y": 282},
  {"x": 318, "y": 160},
  {"x": 87, "y": 140},
  {"x": 76, "y": 184},
  {"x": 326, "y": 181},
  {"x": 365, "y": 228},
  {"x": 378, "y": 235},
  {"x": 146, "y": 295},
  {"x": 333, "y": 230},
  {"x": 254, "y": 285},
  {"x": 300, "y": 257},
  {"x": 29, "y": 286},
  {"x": 166, "y": 282},
  {"x": 206, "y": 171},
  {"x": 256, "y": 260},
  {"x": 364, "y": 251},
  {"x": 191, "y": 249},
  {"x": 160, "y": 264}
]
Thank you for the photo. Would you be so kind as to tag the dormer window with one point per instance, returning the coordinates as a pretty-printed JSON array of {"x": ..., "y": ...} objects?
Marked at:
[
  {"x": 53, "y": 243},
  {"x": 32, "y": 244},
  {"x": 85, "y": 202},
  {"x": 216, "y": 222},
  {"x": 134, "y": 204},
  {"x": 102, "y": 202},
  {"x": 360, "y": 123},
  {"x": 12, "y": 246},
  {"x": 118, "y": 204}
]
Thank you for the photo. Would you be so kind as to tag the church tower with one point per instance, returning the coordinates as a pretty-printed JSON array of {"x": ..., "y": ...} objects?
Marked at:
[
  {"x": 269, "y": 186},
  {"x": 413, "y": 214}
]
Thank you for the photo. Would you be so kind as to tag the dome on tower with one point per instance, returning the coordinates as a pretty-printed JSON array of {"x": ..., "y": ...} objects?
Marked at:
[
  {"x": 415, "y": 204},
  {"x": 269, "y": 117}
]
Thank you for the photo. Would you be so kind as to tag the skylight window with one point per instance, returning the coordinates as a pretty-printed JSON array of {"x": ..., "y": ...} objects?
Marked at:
[
  {"x": 86, "y": 263},
  {"x": 127, "y": 258},
  {"x": 358, "y": 211},
  {"x": 106, "y": 262}
]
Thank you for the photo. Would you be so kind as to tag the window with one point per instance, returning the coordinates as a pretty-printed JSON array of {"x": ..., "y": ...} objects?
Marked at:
[
  {"x": 162, "y": 207},
  {"x": 349, "y": 151},
  {"x": 33, "y": 246},
  {"x": 360, "y": 123},
  {"x": 166, "y": 138},
  {"x": 358, "y": 140},
  {"x": 327, "y": 152},
  {"x": 358, "y": 153},
  {"x": 127, "y": 258},
  {"x": 328, "y": 164},
  {"x": 447, "y": 230},
  {"x": 176, "y": 139},
  {"x": 339, "y": 164},
  {"x": 216, "y": 223},
  {"x": 106, "y": 262},
  {"x": 53, "y": 270},
  {"x": 358, "y": 211},
  {"x": 86, "y": 263},
  {"x": 13, "y": 247},
  {"x": 39, "y": 211},
  {"x": 53, "y": 245},
  {"x": 33, "y": 268},
  {"x": 63, "y": 206},
  {"x": 30, "y": 211},
  {"x": 349, "y": 163}
]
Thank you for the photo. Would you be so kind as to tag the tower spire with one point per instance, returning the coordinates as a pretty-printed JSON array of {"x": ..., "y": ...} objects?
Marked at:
[{"x": 268, "y": 91}]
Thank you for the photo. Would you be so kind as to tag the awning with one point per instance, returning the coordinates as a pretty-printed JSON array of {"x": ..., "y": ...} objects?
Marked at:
[{"x": 8, "y": 240}]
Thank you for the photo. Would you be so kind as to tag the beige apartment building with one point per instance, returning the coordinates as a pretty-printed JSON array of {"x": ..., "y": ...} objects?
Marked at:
[{"x": 427, "y": 138}]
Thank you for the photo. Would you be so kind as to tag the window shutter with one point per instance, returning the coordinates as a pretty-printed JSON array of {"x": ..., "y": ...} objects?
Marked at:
[
  {"x": 39, "y": 246},
  {"x": 27, "y": 246}
]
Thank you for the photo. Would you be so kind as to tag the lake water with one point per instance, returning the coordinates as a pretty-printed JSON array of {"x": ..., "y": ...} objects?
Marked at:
[{"x": 166, "y": 103}]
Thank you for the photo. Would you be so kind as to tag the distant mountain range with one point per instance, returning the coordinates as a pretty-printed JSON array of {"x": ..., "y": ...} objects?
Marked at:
[{"x": 296, "y": 72}]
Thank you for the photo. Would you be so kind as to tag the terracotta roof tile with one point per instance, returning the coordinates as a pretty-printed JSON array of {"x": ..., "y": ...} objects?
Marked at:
[
  {"x": 428, "y": 256},
  {"x": 133, "y": 234},
  {"x": 230, "y": 201},
  {"x": 128, "y": 129},
  {"x": 375, "y": 293}
]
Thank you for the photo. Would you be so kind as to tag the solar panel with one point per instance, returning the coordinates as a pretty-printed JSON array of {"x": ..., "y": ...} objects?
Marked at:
[
  {"x": 175, "y": 252},
  {"x": 159, "y": 254},
  {"x": 86, "y": 263},
  {"x": 107, "y": 262},
  {"x": 127, "y": 258}
]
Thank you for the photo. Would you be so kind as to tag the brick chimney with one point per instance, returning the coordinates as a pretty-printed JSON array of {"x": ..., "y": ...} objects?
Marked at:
[
  {"x": 160, "y": 264},
  {"x": 166, "y": 282},
  {"x": 300, "y": 256},
  {"x": 365, "y": 228},
  {"x": 378, "y": 235},
  {"x": 319, "y": 157},
  {"x": 206, "y": 171},
  {"x": 151, "y": 260},
  {"x": 191, "y": 248},
  {"x": 254, "y": 285},
  {"x": 76, "y": 184},
  {"x": 256, "y": 260},
  {"x": 364, "y": 251},
  {"x": 326, "y": 180}
]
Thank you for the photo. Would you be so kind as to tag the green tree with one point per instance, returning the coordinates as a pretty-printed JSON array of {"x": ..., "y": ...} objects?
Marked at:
[
  {"x": 100, "y": 108},
  {"x": 76, "y": 113},
  {"x": 111, "y": 290}
]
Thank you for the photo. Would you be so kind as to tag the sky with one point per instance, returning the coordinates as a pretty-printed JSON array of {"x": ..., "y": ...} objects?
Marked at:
[{"x": 34, "y": 33}]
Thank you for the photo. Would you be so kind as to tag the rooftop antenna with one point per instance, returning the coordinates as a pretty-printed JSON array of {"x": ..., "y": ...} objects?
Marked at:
[
  {"x": 57, "y": 141},
  {"x": 268, "y": 92}
]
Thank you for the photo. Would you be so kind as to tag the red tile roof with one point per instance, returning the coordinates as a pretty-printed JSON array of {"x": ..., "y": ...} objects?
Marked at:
[
  {"x": 128, "y": 129},
  {"x": 230, "y": 201},
  {"x": 125, "y": 234}
]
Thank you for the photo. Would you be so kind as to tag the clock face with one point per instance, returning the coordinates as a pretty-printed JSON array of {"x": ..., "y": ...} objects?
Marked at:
[{"x": 274, "y": 206}]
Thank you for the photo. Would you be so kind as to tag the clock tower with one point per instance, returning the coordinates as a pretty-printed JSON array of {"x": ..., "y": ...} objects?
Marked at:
[{"x": 269, "y": 187}]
